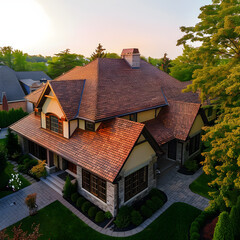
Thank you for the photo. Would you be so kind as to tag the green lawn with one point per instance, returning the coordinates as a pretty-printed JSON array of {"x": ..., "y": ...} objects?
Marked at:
[
  {"x": 8, "y": 171},
  {"x": 57, "y": 222},
  {"x": 200, "y": 185},
  {"x": 2, "y": 141}
]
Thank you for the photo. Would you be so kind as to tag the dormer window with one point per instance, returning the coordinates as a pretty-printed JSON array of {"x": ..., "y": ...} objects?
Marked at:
[
  {"x": 89, "y": 126},
  {"x": 54, "y": 124}
]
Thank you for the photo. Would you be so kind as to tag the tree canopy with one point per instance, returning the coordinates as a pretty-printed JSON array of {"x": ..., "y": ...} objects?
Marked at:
[
  {"x": 218, "y": 81},
  {"x": 63, "y": 62}
]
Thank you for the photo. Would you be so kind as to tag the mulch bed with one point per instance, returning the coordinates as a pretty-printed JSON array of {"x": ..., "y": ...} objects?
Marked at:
[{"x": 208, "y": 230}]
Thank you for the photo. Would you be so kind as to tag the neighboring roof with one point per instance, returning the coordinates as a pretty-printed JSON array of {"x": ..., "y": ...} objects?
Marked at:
[
  {"x": 30, "y": 82},
  {"x": 34, "y": 96},
  {"x": 10, "y": 85},
  {"x": 34, "y": 75},
  {"x": 173, "y": 121},
  {"x": 113, "y": 88},
  {"x": 70, "y": 102},
  {"x": 129, "y": 51},
  {"x": 102, "y": 152}
]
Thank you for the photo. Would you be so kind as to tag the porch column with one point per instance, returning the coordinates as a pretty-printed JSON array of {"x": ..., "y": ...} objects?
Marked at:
[{"x": 50, "y": 164}]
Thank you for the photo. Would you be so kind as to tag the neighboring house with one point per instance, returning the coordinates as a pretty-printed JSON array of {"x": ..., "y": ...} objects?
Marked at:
[
  {"x": 10, "y": 90},
  {"x": 112, "y": 124},
  {"x": 15, "y": 85}
]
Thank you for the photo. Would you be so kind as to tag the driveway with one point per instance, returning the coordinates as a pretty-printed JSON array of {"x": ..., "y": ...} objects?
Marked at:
[{"x": 3, "y": 133}]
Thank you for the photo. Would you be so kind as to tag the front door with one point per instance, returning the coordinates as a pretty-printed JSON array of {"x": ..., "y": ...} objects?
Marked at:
[
  {"x": 72, "y": 167},
  {"x": 172, "y": 149}
]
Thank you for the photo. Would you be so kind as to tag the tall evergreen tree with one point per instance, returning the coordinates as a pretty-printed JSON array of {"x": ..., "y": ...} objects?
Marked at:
[
  {"x": 99, "y": 52},
  {"x": 218, "y": 81}
]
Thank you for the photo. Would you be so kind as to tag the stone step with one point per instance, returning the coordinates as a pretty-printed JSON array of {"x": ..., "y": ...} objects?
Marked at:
[
  {"x": 58, "y": 179},
  {"x": 52, "y": 185},
  {"x": 56, "y": 182}
]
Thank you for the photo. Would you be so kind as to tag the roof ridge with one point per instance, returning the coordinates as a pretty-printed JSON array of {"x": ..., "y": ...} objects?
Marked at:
[{"x": 172, "y": 100}]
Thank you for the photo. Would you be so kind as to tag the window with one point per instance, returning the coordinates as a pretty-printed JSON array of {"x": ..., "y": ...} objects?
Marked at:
[
  {"x": 133, "y": 117},
  {"x": 54, "y": 124},
  {"x": 89, "y": 126},
  {"x": 37, "y": 151},
  {"x": 94, "y": 185},
  {"x": 135, "y": 183},
  {"x": 210, "y": 110},
  {"x": 194, "y": 144}
]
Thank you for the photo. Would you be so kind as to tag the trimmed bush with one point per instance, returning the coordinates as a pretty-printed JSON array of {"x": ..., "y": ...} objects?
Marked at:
[
  {"x": 146, "y": 212},
  {"x": 85, "y": 206},
  {"x": 80, "y": 202},
  {"x": 67, "y": 189},
  {"x": 158, "y": 202},
  {"x": 151, "y": 205},
  {"x": 235, "y": 219},
  {"x": 99, "y": 217},
  {"x": 223, "y": 229},
  {"x": 92, "y": 211},
  {"x": 191, "y": 165},
  {"x": 39, "y": 170},
  {"x": 136, "y": 218},
  {"x": 74, "y": 197},
  {"x": 28, "y": 164},
  {"x": 195, "y": 236},
  {"x": 123, "y": 217},
  {"x": 108, "y": 215}
]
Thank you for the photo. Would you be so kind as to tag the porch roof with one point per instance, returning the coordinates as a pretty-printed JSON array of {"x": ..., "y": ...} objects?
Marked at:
[{"x": 102, "y": 152}]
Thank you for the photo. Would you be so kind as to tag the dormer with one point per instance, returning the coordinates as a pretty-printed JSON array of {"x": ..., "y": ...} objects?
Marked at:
[{"x": 132, "y": 56}]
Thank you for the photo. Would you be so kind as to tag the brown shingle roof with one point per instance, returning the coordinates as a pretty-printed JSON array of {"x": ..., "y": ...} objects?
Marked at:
[
  {"x": 102, "y": 152},
  {"x": 113, "y": 88},
  {"x": 69, "y": 94},
  {"x": 34, "y": 96},
  {"x": 173, "y": 121}
]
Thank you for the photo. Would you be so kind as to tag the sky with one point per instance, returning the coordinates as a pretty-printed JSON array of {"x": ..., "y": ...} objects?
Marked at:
[{"x": 49, "y": 26}]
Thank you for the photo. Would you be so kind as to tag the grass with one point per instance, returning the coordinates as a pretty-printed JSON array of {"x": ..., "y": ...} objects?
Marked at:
[
  {"x": 8, "y": 171},
  {"x": 3, "y": 141},
  {"x": 200, "y": 185},
  {"x": 57, "y": 222}
]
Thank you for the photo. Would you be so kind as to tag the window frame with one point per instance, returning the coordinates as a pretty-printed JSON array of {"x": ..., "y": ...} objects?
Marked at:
[
  {"x": 194, "y": 144},
  {"x": 133, "y": 184},
  {"x": 95, "y": 185},
  {"x": 49, "y": 123},
  {"x": 92, "y": 128},
  {"x": 133, "y": 117}
]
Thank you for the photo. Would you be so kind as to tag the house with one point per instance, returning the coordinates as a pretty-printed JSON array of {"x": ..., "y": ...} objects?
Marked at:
[
  {"x": 15, "y": 85},
  {"x": 112, "y": 124}
]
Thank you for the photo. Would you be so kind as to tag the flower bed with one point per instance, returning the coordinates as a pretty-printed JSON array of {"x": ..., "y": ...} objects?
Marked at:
[{"x": 129, "y": 218}]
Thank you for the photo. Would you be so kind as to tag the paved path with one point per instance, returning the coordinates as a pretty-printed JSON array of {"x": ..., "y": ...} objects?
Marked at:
[
  {"x": 3, "y": 133},
  {"x": 15, "y": 169},
  {"x": 175, "y": 185}
]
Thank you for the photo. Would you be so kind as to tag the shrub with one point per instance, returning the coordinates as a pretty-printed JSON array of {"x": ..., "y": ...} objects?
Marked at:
[
  {"x": 223, "y": 229},
  {"x": 123, "y": 217},
  {"x": 15, "y": 182},
  {"x": 12, "y": 143},
  {"x": 74, "y": 197},
  {"x": 92, "y": 211},
  {"x": 30, "y": 200},
  {"x": 4, "y": 180},
  {"x": 85, "y": 206},
  {"x": 80, "y": 202},
  {"x": 3, "y": 159},
  {"x": 67, "y": 189},
  {"x": 191, "y": 165},
  {"x": 195, "y": 236},
  {"x": 235, "y": 219},
  {"x": 158, "y": 202},
  {"x": 39, "y": 170},
  {"x": 151, "y": 205},
  {"x": 136, "y": 218},
  {"x": 99, "y": 217},
  {"x": 156, "y": 193},
  {"x": 28, "y": 164},
  {"x": 108, "y": 215},
  {"x": 146, "y": 212}
]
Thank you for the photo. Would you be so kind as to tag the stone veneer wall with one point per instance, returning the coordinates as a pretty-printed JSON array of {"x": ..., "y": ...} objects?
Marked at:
[
  {"x": 111, "y": 194},
  {"x": 151, "y": 184}
]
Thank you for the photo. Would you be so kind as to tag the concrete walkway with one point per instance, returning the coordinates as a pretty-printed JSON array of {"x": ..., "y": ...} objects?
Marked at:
[{"x": 174, "y": 184}]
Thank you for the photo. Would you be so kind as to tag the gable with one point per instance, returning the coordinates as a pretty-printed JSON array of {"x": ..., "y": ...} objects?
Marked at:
[
  {"x": 197, "y": 125},
  {"x": 51, "y": 105}
]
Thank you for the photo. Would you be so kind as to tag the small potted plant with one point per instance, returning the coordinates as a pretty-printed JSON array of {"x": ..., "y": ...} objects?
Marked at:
[{"x": 31, "y": 203}]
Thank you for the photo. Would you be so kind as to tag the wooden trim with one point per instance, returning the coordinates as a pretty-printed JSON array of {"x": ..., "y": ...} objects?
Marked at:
[{"x": 48, "y": 96}]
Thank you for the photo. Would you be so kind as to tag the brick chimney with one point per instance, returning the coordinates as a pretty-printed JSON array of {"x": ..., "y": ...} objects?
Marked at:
[
  {"x": 4, "y": 102},
  {"x": 132, "y": 56}
]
